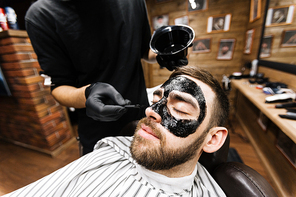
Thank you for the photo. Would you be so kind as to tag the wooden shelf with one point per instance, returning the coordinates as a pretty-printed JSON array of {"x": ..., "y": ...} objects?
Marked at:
[
  {"x": 250, "y": 102},
  {"x": 257, "y": 97}
]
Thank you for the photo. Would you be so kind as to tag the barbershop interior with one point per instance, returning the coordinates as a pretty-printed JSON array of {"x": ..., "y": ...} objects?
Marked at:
[{"x": 249, "y": 46}]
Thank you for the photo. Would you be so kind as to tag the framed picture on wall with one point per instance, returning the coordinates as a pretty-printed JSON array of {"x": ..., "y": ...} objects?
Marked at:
[
  {"x": 226, "y": 49},
  {"x": 289, "y": 38},
  {"x": 219, "y": 23},
  {"x": 183, "y": 20},
  {"x": 249, "y": 41},
  {"x": 255, "y": 10},
  {"x": 202, "y": 45},
  {"x": 159, "y": 21},
  {"x": 282, "y": 15},
  {"x": 266, "y": 46},
  {"x": 197, "y": 5}
]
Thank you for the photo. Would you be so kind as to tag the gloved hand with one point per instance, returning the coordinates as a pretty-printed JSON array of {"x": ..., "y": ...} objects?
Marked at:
[
  {"x": 171, "y": 62},
  {"x": 104, "y": 103}
]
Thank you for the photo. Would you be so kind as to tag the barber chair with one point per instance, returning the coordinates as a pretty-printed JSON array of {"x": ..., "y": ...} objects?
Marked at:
[{"x": 236, "y": 179}]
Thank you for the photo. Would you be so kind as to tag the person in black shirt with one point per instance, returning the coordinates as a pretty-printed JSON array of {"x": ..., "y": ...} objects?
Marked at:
[{"x": 83, "y": 42}]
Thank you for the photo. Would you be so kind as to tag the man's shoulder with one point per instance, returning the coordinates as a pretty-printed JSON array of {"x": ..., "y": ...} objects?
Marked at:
[
  {"x": 45, "y": 9},
  {"x": 39, "y": 6},
  {"x": 120, "y": 141},
  {"x": 120, "y": 144}
]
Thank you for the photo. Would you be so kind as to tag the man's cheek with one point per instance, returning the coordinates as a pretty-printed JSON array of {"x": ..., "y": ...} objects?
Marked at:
[{"x": 179, "y": 127}]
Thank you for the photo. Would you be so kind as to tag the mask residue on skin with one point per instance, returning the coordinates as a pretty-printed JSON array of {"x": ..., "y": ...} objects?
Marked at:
[{"x": 180, "y": 127}]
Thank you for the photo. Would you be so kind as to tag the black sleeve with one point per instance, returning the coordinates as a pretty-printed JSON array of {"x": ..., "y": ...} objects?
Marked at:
[
  {"x": 146, "y": 31},
  {"x": 52, "y": 56}
]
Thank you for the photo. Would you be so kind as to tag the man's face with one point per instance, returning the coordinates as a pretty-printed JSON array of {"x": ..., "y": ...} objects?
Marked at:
[
  {"x": 225, "y": 49},
  {"x": 172, "y": 133},
  {"x": 221, "y": 22},
  {"x": 277, "y": 14},
  {"x": 264, "y": 45},
  {"x": 160, "y": 20}
]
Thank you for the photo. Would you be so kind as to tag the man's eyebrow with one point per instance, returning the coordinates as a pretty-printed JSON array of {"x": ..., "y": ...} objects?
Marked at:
[
  {"x": 157, "y": 92},
  {"x": 180, "y": 97}
]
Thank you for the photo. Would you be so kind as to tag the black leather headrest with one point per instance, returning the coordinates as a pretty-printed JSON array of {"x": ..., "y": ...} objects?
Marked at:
[{"x": 237, "y": 179}]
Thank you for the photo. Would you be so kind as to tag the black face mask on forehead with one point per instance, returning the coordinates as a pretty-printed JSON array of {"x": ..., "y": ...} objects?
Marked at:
[{"x": 180, "y": 127}]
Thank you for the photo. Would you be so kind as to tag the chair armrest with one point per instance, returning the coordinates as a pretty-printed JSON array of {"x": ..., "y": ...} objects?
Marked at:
[{"x": 237, "y": 179}]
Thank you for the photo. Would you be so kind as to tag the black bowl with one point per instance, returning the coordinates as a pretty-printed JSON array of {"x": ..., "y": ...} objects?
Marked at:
[{"x": 169, "y": 40}]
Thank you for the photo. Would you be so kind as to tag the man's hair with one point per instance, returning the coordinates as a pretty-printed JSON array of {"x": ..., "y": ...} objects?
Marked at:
[{"x": 220, "y": 109}]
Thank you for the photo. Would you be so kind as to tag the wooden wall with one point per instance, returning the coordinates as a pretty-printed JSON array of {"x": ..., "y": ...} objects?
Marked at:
[
  {"x": 279, "y": 53},
  {"x": 279, "y": 76},
  {"x": 257, "y": 25},
  {"x": 239, "y": 9}
]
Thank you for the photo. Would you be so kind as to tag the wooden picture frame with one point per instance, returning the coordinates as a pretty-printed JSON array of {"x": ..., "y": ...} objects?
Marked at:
[
  {"x": 255, "y": 10},
  {"x": 196, "y": 5},
  {"x": 288, "y": 38},
  {"x": 249, "y": 41},
  {"x": 183, "y": 20},
  {"x": 281, "y": 15},
  {"x": 219, "y": 23},
  {"x": 159, "y": 21},
  {"x": 201, "y": 45},
  {"x": 226, "y": 49},
  {"x": 266, "y": 46}
]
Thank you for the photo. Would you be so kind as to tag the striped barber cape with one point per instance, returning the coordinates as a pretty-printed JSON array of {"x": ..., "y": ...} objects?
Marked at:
[{"x": 111, "y": 171}]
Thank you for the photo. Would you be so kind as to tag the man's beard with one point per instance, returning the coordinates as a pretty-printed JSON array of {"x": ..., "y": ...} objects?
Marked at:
[{"x": 158, "y": 156}]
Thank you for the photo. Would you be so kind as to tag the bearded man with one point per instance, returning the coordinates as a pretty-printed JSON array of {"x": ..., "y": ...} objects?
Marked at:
[{"x": 161, "y": 159}]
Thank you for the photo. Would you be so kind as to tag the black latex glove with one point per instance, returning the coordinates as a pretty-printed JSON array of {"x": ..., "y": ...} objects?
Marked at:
[
  {"x": 104, "y": 103},
  {"x": 171, "y": 62}
]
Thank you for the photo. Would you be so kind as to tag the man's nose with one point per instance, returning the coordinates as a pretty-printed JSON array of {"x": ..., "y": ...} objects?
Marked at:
[{"x": 150, "y": 113}]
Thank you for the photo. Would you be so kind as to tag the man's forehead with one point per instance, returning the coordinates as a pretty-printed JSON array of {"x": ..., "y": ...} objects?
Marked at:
[
  {"x": 159, "y": 91},
  {"x": 205, "y": 89}
]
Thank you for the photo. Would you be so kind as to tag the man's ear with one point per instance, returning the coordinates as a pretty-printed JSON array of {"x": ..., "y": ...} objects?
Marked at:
[{"x": 215, "y": 139}]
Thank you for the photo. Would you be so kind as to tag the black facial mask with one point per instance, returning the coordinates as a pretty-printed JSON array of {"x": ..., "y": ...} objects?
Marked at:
[{"x": 180, "y": 127}]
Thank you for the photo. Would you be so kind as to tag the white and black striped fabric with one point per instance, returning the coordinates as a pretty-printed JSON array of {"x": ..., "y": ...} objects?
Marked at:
[{"x": 110, "y": 171}]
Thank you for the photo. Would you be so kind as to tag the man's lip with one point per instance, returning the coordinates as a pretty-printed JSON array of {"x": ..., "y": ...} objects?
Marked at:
[{"x": 148, "y": 131}]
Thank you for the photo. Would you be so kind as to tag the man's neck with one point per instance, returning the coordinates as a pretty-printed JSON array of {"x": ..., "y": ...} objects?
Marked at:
[
  {"x": 179, "y": 171},
  {"x": 169, "y": 185}
]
